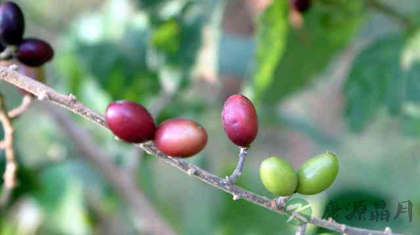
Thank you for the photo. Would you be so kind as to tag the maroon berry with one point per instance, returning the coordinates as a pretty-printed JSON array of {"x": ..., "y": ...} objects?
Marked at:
[
  {"x": 240, "y": 120},
  {"x": 34, "y": 52},
  {"x": 130, "y": 121},
  {"x": 12, "y": 23},
  {"x": 301, "y": 5},
  {"x": 180, "y": 137}
]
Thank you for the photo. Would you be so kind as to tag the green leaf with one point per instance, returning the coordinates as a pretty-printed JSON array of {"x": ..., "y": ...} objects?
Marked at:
[
  {"x": 374, "y": 80},
  {"x": 384, "y": 75},
  {"x": 328, "y": 27},
  {"x": 272, "y": 34}
]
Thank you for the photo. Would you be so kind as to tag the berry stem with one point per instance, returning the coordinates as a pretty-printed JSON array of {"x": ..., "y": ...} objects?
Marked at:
[
  {"x": 301, "y": 229},
  {"x": 24, "y": 105},
  {"x": 37, "y": 88},
  {"x": 7, "y": 144},
  {"x": 243, "y": 152}
]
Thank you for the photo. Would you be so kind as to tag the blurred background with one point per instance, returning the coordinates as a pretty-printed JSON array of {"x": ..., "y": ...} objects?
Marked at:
[{"x": 343, "y": 76}]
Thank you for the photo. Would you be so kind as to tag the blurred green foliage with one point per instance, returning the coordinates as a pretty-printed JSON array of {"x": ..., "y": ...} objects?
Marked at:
[{"x": 309, "y": 49}]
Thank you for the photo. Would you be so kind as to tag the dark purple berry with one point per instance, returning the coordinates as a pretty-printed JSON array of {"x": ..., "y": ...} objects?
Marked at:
[
  {"x": 301, "y": 5},
  {"x": 180, "y": 138},
  {"x": 130, "y": 121},
  {"x": 12, "y": 23},
  {"x": 34, "y": 52},
  {"x": 240, "y": 120}
]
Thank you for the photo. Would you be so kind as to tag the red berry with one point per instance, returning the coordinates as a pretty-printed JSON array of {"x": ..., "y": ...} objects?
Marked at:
[
  {"x": 130, "y": 121},
  {"x": 180, "y": 138},
  {"x": 12, "y": 23},
  {"x": 301, "y": 5},
  {"x": 240, "y": 120},
  {"x": 34, "y": 52}
]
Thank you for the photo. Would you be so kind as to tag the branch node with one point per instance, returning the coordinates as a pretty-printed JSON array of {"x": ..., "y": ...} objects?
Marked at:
[
  {"x": 236, "y": 197},
  {"x": 192, "y": 171},
  {"x": 343, "y": 228},
  {"x": 43, "y": 96},
  {"x": 14, "y": 67},
  {"x": 72, "y": 98},
  {"x": 281, "y": 202}
]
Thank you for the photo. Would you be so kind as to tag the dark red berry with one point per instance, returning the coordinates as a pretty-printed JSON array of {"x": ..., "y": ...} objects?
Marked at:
[
  {"x": 180, "y": 137},
  {"x": 240, "y": 120},
  {"x": 301, "y": 5},
  {"x": 130, "y": 121},
  {"x": 12, "y": 23},
  {"x": 34, "y": 52}
]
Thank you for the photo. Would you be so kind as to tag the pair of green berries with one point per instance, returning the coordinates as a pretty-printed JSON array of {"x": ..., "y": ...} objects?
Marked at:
[{"x": 314, "y": 176}]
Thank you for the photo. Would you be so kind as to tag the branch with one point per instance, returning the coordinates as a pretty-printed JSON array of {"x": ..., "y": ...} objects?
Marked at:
[
  {"x": 9, "y": 175},
  {"x": 44, "y": 92},
  {"x": 24, "y": 105}
]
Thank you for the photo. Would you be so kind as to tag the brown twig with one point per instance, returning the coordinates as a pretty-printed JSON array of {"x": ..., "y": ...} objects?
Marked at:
[
  {"x": 24, "y": 105},
  {"x": 9, "y": 175},
  {"x": 44, "y": 92}
]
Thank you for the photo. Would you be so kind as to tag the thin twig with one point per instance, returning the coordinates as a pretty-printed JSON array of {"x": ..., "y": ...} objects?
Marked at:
[
  {"x": 301, "y": 229},
  {"x": 9, "y": 175},
  {"x": 388, "y": 11},
  {"x": 243, "y": 152},
  {"x": 24, "y": 105},
  {"x": 44, "y": 92}
]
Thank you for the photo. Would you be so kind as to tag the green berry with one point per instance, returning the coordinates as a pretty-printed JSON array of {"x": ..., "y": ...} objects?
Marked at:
[
  {"x": 278, "y": 176},
  {"x": 317, "y": 174}
]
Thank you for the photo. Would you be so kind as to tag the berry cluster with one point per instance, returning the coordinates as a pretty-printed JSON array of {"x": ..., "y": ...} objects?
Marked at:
[
  {"x": 31, "y": 52},
  {"x": 131, "y": 122},
  {"x": 314, "y": 176}
]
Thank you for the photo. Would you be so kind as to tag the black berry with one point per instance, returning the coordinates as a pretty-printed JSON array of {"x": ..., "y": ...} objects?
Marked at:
[
  {"x": 34, "y": 52},
  {"x": 12, "y": 23}
]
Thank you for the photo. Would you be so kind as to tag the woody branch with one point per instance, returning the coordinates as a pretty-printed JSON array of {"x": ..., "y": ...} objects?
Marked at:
[{"x": 70, "y": 103}]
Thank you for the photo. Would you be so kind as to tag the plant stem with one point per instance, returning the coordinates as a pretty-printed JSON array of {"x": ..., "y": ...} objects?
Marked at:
[
  {"x": 243, "y": 152},
  {"x": 46, "y": 93}
]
